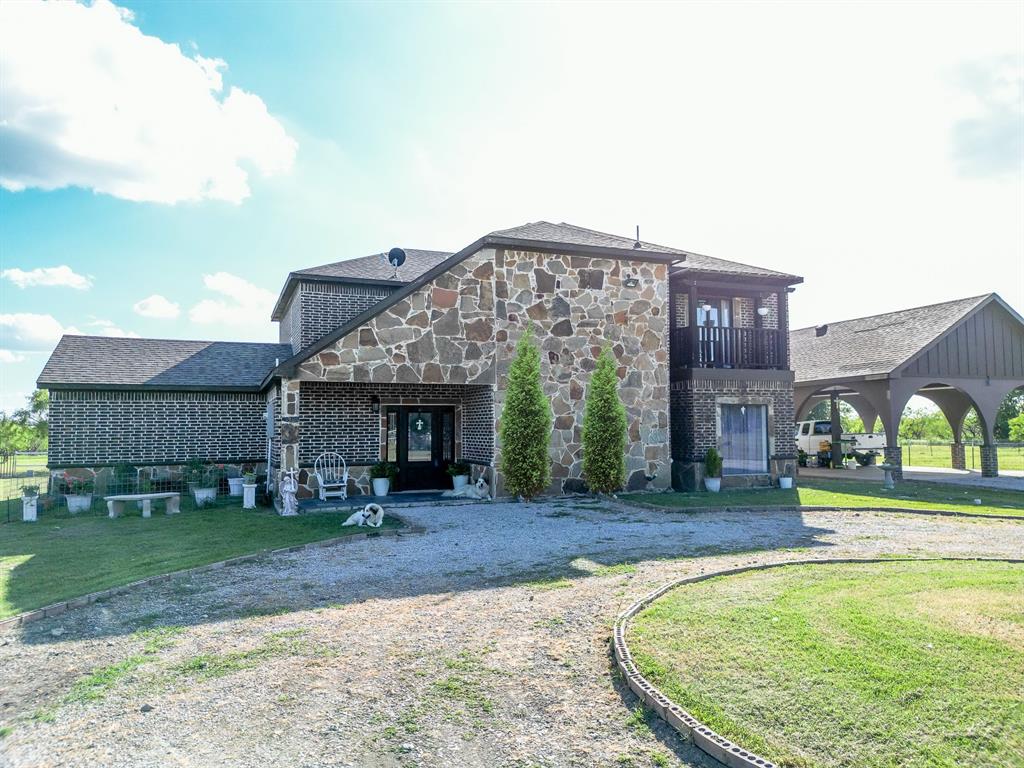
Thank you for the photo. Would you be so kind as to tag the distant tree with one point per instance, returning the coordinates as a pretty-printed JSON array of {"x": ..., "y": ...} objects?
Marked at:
[
  {"x": 1011, "y": 408},
  {"x": 35, "y": 418},
  {"x": 604, "y": 429},
  {"x": 525, "y": 424},
  {"x": 1016, "y": 429}
]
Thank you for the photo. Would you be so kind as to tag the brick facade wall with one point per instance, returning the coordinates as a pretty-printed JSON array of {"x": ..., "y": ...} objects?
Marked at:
[
  {"x": 90, "y": 428},
  {"x": 338, "y": 417},
  {"x": 327, "y": 306},
  {"x": 694, "y": 419}
]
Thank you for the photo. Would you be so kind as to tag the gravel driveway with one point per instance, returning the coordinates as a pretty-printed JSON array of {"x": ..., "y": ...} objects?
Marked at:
[{"x": 483, "y": 642}]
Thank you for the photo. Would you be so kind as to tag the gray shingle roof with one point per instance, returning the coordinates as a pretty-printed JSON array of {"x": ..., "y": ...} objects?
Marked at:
[
  {"x": 874, "y": 345},
  {"x": 373, "y": 267},
  {"x": 95, "y": 361}
]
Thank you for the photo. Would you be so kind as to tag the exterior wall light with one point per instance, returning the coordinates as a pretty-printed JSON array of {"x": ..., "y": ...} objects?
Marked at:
[
  {"x": 762, "y": 311},
  {"x": 631, "y": 281},
  {"x": 706, "y": 307},
  {"x": 375, "y": 404}
]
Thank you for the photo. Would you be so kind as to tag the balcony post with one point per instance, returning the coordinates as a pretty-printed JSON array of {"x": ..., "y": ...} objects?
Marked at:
[
  {"x": 782, "y": 299},
  {"x": 694, "y": 332}
]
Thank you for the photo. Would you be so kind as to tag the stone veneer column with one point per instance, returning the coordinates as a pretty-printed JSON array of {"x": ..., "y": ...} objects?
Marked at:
[
  {"x": 989, "y": 461},
  {"x": 894, "y": 456},
  {"x": 958, "y": 456},
  {"x": 289, "y": 425}
]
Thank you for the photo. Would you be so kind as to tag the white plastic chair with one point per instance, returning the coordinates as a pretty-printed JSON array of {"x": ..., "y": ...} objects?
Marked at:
[{"x": 332, "y": 475}]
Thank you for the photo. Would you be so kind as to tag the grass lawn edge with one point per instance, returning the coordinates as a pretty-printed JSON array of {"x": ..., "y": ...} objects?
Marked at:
[
  {"x": 58, "y": 608},
  {"x": 706, "y": 739}
]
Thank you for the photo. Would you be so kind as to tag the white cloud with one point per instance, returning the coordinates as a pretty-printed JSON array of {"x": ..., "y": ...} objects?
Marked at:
[
  {"x": 243, "y": 304},
  {"x": 157, "y": 306},
  {"x": 91, "y": 101},
  {"x": 6, "y": 356},
  {"x": 28, "y": 332},
  {"x": 110, "y": 328},
  {"x": 62, "y": 275}
]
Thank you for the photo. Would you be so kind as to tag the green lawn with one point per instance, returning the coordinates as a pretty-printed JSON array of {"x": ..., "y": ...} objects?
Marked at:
[
  {"x": 939, "y": 456},
  {"x": 57, "y": 559},
  {"x": 865, "y": 666},
  {"x": 813, "y": 491}
]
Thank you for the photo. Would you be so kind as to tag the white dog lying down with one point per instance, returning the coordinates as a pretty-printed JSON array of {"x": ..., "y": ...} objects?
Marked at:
[
  {"x": 371, "y": 515},
  {"x": 478, "y": 490}
]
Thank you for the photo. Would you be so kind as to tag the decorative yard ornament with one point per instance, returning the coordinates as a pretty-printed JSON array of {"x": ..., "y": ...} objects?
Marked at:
[{"x": 289, "y": 487}]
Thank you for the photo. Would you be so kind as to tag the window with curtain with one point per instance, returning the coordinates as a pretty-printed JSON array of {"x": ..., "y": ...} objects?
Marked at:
[{"x": 744, "y": 439}]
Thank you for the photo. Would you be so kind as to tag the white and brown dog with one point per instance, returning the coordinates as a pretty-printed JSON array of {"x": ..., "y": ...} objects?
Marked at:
[
  {"x": 478, "y": 490},
  {"x": 371, "y": 515}
]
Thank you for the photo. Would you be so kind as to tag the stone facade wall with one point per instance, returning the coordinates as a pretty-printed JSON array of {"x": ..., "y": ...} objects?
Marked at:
[
  {"x": 328, "y": 306},
  {"x": 577, "y": 304},
  {"x": 442, "y": 333},
  {"x": 695, "y": 421},
  {"x": 96, "y": 428}
]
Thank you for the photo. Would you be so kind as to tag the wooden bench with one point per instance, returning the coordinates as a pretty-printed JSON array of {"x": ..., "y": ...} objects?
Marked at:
[{"x": 115, "y": 504}]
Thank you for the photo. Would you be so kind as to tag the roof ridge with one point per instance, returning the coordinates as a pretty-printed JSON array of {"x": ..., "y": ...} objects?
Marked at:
[
  {"x": 975, "y": 299},
  {"x": 158, "y": 338}
]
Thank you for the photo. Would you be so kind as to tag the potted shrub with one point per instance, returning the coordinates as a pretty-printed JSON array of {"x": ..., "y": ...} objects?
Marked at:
[
  {"x": 459, "y": 471},
  {"x": 381, "y": 475},
  {"x": 77, "y": 493},
  {"x": 249, "y": 490},
  {"x": 801, "y": 457},
  {"x": 29, "y": 497},
  {"x": 202, "y": 481},
  {"x": 786, "y": 478},
  {"x": 712, "y": 471}
]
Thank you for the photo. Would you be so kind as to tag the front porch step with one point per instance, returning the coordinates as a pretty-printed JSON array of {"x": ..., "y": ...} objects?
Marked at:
[{"x": 746, "y": 481}]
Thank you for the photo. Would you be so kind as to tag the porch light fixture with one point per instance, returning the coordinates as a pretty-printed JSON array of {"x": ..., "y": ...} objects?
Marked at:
[
  {"x": 375, "y": 404},
  {"x": 762, "y": 311},
  {"x": 706, "y": 307}
]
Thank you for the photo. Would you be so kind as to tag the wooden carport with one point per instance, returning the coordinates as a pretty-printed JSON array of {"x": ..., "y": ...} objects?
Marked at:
[{"x": 958, "y": 354}]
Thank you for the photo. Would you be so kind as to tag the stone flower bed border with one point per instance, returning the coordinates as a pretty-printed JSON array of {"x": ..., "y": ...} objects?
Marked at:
[
  {"x": 703, "y": 737},
  {"x": 56, "y": 609}
]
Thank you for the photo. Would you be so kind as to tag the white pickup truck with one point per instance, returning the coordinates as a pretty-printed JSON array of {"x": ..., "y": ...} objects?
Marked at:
[{"x": 815, "y": 439}]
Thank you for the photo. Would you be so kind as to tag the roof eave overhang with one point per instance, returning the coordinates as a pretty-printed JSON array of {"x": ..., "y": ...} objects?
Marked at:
[
  {"x": 546, "y": 246},
  {"x": 696, "y": 275},
  {"x": 99, "y": 387}
]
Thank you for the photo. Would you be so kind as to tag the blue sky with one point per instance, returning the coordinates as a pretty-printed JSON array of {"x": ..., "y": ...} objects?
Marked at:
[{"x": 874, "y": 149}]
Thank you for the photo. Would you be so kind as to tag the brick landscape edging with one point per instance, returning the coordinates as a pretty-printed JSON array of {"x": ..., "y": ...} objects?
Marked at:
[
  {"x": 56, "y": 609},
  {"x": 703, "y": 737},
  {"x": 818, "y": 508}
]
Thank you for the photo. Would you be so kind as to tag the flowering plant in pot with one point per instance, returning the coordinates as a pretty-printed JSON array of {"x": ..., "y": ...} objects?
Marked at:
[
  {"x": 459, "y": 471},
  {"x": 77, "y": 492},
  {"x": 712, "y": 471},
  {"x": 382, "y": 474},
  {"x": 29, "y": 497}
]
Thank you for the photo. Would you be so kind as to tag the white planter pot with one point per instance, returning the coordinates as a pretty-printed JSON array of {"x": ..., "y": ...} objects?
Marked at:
[
  {"x": 713, "y": 484},
  {"x": 234, "y": 486},
  {"x": 381, "y": 486},
  {"x": 785, "y": 482},
  {"x": 78, "y": 502},
  {"x": 248, "y": 496},
  {"x": 204, "y": 495},
  {"x": 460, "y": 481},
  {"x": 28, "y": 508}
]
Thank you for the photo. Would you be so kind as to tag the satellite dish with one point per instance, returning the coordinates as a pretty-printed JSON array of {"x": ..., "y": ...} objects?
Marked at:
[{"x": 396, "y": 257}]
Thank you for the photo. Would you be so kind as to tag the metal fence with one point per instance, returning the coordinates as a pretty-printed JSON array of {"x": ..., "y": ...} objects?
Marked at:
[
  {"x": 931, "y": 453},
  {"x": 67, "y": 494}
]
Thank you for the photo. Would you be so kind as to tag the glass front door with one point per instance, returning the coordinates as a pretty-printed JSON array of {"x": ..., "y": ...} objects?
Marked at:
[
  {"x": 744, "y": 439},
  {"x": 421, "y": 440}
]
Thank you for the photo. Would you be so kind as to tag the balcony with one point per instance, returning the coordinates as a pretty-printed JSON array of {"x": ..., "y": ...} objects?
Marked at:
[{"x": 714, "y": 347}]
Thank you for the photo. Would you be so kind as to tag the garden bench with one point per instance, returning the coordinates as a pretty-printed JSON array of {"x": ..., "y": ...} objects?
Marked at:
[{"x": 115, "y": 504}]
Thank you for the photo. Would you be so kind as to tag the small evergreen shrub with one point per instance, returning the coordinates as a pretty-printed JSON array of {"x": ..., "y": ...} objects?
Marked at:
[
  {"x": 712, "y": 463},
  {"x": 604, "y": 430},
  {"x": 525, "y": 424}
]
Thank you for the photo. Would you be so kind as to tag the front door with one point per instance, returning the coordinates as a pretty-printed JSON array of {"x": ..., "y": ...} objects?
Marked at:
[{"x": 424, "y": 445}]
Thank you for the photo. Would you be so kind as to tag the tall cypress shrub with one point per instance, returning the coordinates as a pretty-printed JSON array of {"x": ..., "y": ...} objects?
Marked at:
[
  {"x": 525, "y": 424},
  {"x": 604, "y": 430}
]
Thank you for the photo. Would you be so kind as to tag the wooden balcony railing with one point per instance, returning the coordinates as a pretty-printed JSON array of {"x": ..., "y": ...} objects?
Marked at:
[{"x": 712, "y": 347}]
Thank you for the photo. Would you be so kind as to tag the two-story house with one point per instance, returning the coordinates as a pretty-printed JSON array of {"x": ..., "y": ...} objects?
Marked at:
[{"x": 409, "y": 365}]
